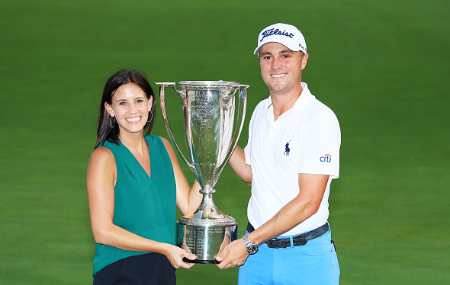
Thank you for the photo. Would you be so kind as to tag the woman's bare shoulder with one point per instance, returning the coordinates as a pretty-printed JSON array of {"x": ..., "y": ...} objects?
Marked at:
[{"x": 102, "y": 157}]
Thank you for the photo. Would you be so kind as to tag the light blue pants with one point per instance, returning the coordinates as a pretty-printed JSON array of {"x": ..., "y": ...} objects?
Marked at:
[{"x": 313, "y": 263}]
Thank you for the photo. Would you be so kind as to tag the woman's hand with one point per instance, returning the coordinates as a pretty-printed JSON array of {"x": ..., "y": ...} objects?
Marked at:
[{"x": 175, "y": 256}]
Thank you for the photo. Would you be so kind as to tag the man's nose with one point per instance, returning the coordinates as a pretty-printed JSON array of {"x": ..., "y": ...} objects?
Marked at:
[{"x": 276, "y": 63}]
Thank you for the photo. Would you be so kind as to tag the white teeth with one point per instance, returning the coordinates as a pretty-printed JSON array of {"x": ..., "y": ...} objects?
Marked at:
[
  {"x": 278, "y": 75},
  {"x": 135, "y": 119}
]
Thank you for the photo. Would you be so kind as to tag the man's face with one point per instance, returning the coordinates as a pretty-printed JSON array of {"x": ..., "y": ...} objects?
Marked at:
[{"x": 281, "y": 68}]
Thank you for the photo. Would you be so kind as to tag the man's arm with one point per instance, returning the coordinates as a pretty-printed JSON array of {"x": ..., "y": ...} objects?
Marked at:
[
  {"x": 299, "y": 209},
  {"x": 307, "y": 202},
  {"x": 242, "y": 169}
]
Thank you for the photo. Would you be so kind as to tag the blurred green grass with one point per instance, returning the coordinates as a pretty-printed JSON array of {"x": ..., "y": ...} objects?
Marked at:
[{"x": 382, "y": 66}]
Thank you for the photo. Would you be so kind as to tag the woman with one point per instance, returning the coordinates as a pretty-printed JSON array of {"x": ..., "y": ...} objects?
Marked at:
[{"x": 133, "y": 183}]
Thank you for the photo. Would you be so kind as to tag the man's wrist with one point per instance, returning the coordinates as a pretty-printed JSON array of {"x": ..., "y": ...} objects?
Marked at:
[{"x": 252, "y": 248}]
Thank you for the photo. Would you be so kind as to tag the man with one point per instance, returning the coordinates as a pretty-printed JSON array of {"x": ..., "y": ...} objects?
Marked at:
[{"x": 290, "y": 159}]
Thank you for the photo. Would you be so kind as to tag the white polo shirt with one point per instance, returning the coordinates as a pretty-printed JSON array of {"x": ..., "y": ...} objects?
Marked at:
[{"x": 304, "y": 139}]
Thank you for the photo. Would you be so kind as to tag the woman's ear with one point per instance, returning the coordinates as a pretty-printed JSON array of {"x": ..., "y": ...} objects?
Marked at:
[
  {"x": 109, "y": 109},
  {"x": 150, "y": 102}
]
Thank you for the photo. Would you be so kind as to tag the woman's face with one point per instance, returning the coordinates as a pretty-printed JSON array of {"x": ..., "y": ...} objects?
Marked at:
[{"x": 130, "y": 106}]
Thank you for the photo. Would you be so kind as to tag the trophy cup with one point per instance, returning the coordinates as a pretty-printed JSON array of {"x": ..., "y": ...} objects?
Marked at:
[{"x": 211, "y": 134}]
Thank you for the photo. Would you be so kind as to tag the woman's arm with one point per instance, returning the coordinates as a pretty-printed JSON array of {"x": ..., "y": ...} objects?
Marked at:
[
  {"x": 100, "y": 180},
  {"x": 188, "y": 198}
]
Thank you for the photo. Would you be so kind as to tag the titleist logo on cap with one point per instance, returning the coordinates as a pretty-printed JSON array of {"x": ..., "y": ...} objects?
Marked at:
[
  {"x": 274, "y": 31},
  {"x": 284, "y": 34}
]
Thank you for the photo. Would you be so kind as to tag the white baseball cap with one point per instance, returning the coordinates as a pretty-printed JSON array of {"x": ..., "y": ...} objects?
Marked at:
[{"x": 284, "y": 34}]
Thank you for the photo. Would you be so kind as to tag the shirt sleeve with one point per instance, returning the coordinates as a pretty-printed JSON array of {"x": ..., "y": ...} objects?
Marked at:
[
  {"x": 321, "y": 144},
  {"x": 247, "y": 149}
]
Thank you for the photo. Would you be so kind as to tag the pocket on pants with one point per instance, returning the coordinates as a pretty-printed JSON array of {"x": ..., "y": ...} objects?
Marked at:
[
  {"x": 336, "y": 260},
  {"x": 318, "y": 246}
]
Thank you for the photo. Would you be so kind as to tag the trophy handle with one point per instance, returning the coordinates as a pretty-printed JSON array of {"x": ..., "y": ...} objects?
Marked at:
[
  {"x": 162, "y": 99},
  {"x": 239, "y": 120}
]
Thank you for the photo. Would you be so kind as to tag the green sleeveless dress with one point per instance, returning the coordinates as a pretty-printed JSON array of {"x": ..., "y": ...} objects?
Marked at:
[{"x": 142, "y": 205}]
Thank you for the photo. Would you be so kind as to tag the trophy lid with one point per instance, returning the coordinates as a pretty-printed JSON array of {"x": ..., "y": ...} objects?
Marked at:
[
  {"x": 220, "y": 83},
  {"x": 209, "y": 85}
]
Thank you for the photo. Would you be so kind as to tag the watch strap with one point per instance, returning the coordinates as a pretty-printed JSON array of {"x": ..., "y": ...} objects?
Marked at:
[{"x": 251, "y": 246}]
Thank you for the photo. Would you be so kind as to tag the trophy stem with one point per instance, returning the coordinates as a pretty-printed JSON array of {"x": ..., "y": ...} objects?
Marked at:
[
  {"x": 207, "y": 190},
  {"x": 207, "y": 210}
]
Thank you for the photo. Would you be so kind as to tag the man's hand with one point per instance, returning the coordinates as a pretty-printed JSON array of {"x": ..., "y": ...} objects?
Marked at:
[{"x": 234, "y": 254}]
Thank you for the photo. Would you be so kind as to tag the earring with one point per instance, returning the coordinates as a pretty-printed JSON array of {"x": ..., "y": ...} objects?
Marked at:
[
  {"x": 151, "y": 116},
  {"x": 113, "y": 122}
]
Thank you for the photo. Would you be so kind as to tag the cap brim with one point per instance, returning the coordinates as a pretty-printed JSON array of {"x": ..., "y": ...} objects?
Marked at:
[{"x": 259, "y": 47}]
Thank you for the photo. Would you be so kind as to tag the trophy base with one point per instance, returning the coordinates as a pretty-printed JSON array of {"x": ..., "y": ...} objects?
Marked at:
[
  {"x": 201, "y": 261},
  {"x": 206, "y": 232},
  {"x": 205, "y": 240}
]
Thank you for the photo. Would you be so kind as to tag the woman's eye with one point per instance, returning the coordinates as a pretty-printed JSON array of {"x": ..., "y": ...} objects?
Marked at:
[{"x": 122, "y": 103}]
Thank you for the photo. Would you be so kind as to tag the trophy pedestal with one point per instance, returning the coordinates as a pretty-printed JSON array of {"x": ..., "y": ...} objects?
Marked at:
[
  {"x": 205, "y": 241},
  {"x": 206, "y": 232}
]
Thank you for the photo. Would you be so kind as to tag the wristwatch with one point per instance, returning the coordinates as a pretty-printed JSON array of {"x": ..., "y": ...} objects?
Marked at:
[{"x": 251, "y": 247}]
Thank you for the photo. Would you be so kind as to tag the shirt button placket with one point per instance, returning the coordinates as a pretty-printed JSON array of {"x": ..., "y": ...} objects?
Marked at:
[{"x": 272, "y": 137}]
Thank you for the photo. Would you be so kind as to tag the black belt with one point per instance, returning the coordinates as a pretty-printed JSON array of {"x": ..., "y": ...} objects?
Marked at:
[{"x": 301, "y": 239}]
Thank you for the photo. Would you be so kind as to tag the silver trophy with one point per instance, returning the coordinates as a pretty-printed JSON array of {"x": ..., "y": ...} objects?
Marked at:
[{"x": 212, "y": 130}]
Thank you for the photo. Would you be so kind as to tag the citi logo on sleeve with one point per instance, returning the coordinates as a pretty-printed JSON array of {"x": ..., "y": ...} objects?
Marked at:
[{"x": 326, "y": 158}]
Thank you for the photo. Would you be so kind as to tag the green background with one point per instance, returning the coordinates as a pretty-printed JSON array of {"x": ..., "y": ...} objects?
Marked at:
[{"x": 382, "y": 66}]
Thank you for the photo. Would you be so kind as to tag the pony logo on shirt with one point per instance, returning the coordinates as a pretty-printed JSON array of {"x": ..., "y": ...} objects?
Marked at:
[
  {"x": 287, "y": 150},
  {"x": 326, "y": 158}
]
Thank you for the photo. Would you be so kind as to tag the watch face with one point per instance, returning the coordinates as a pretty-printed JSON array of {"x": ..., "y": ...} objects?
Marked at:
[{"x": 252, "y": 249}]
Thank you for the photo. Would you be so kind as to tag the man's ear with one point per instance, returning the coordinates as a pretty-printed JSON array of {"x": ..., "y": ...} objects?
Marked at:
[{"x": 304, "y": 60}]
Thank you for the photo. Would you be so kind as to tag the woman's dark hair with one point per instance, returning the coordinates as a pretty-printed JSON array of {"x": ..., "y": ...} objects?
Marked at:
[{"x": 105, "y": 121}]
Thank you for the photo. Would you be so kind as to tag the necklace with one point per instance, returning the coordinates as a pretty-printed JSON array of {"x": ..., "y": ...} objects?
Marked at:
[{"x": 143, "y": 149}]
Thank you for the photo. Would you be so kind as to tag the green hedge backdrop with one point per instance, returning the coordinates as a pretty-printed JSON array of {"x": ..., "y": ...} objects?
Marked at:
[{"x": 382, "y": 66}]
